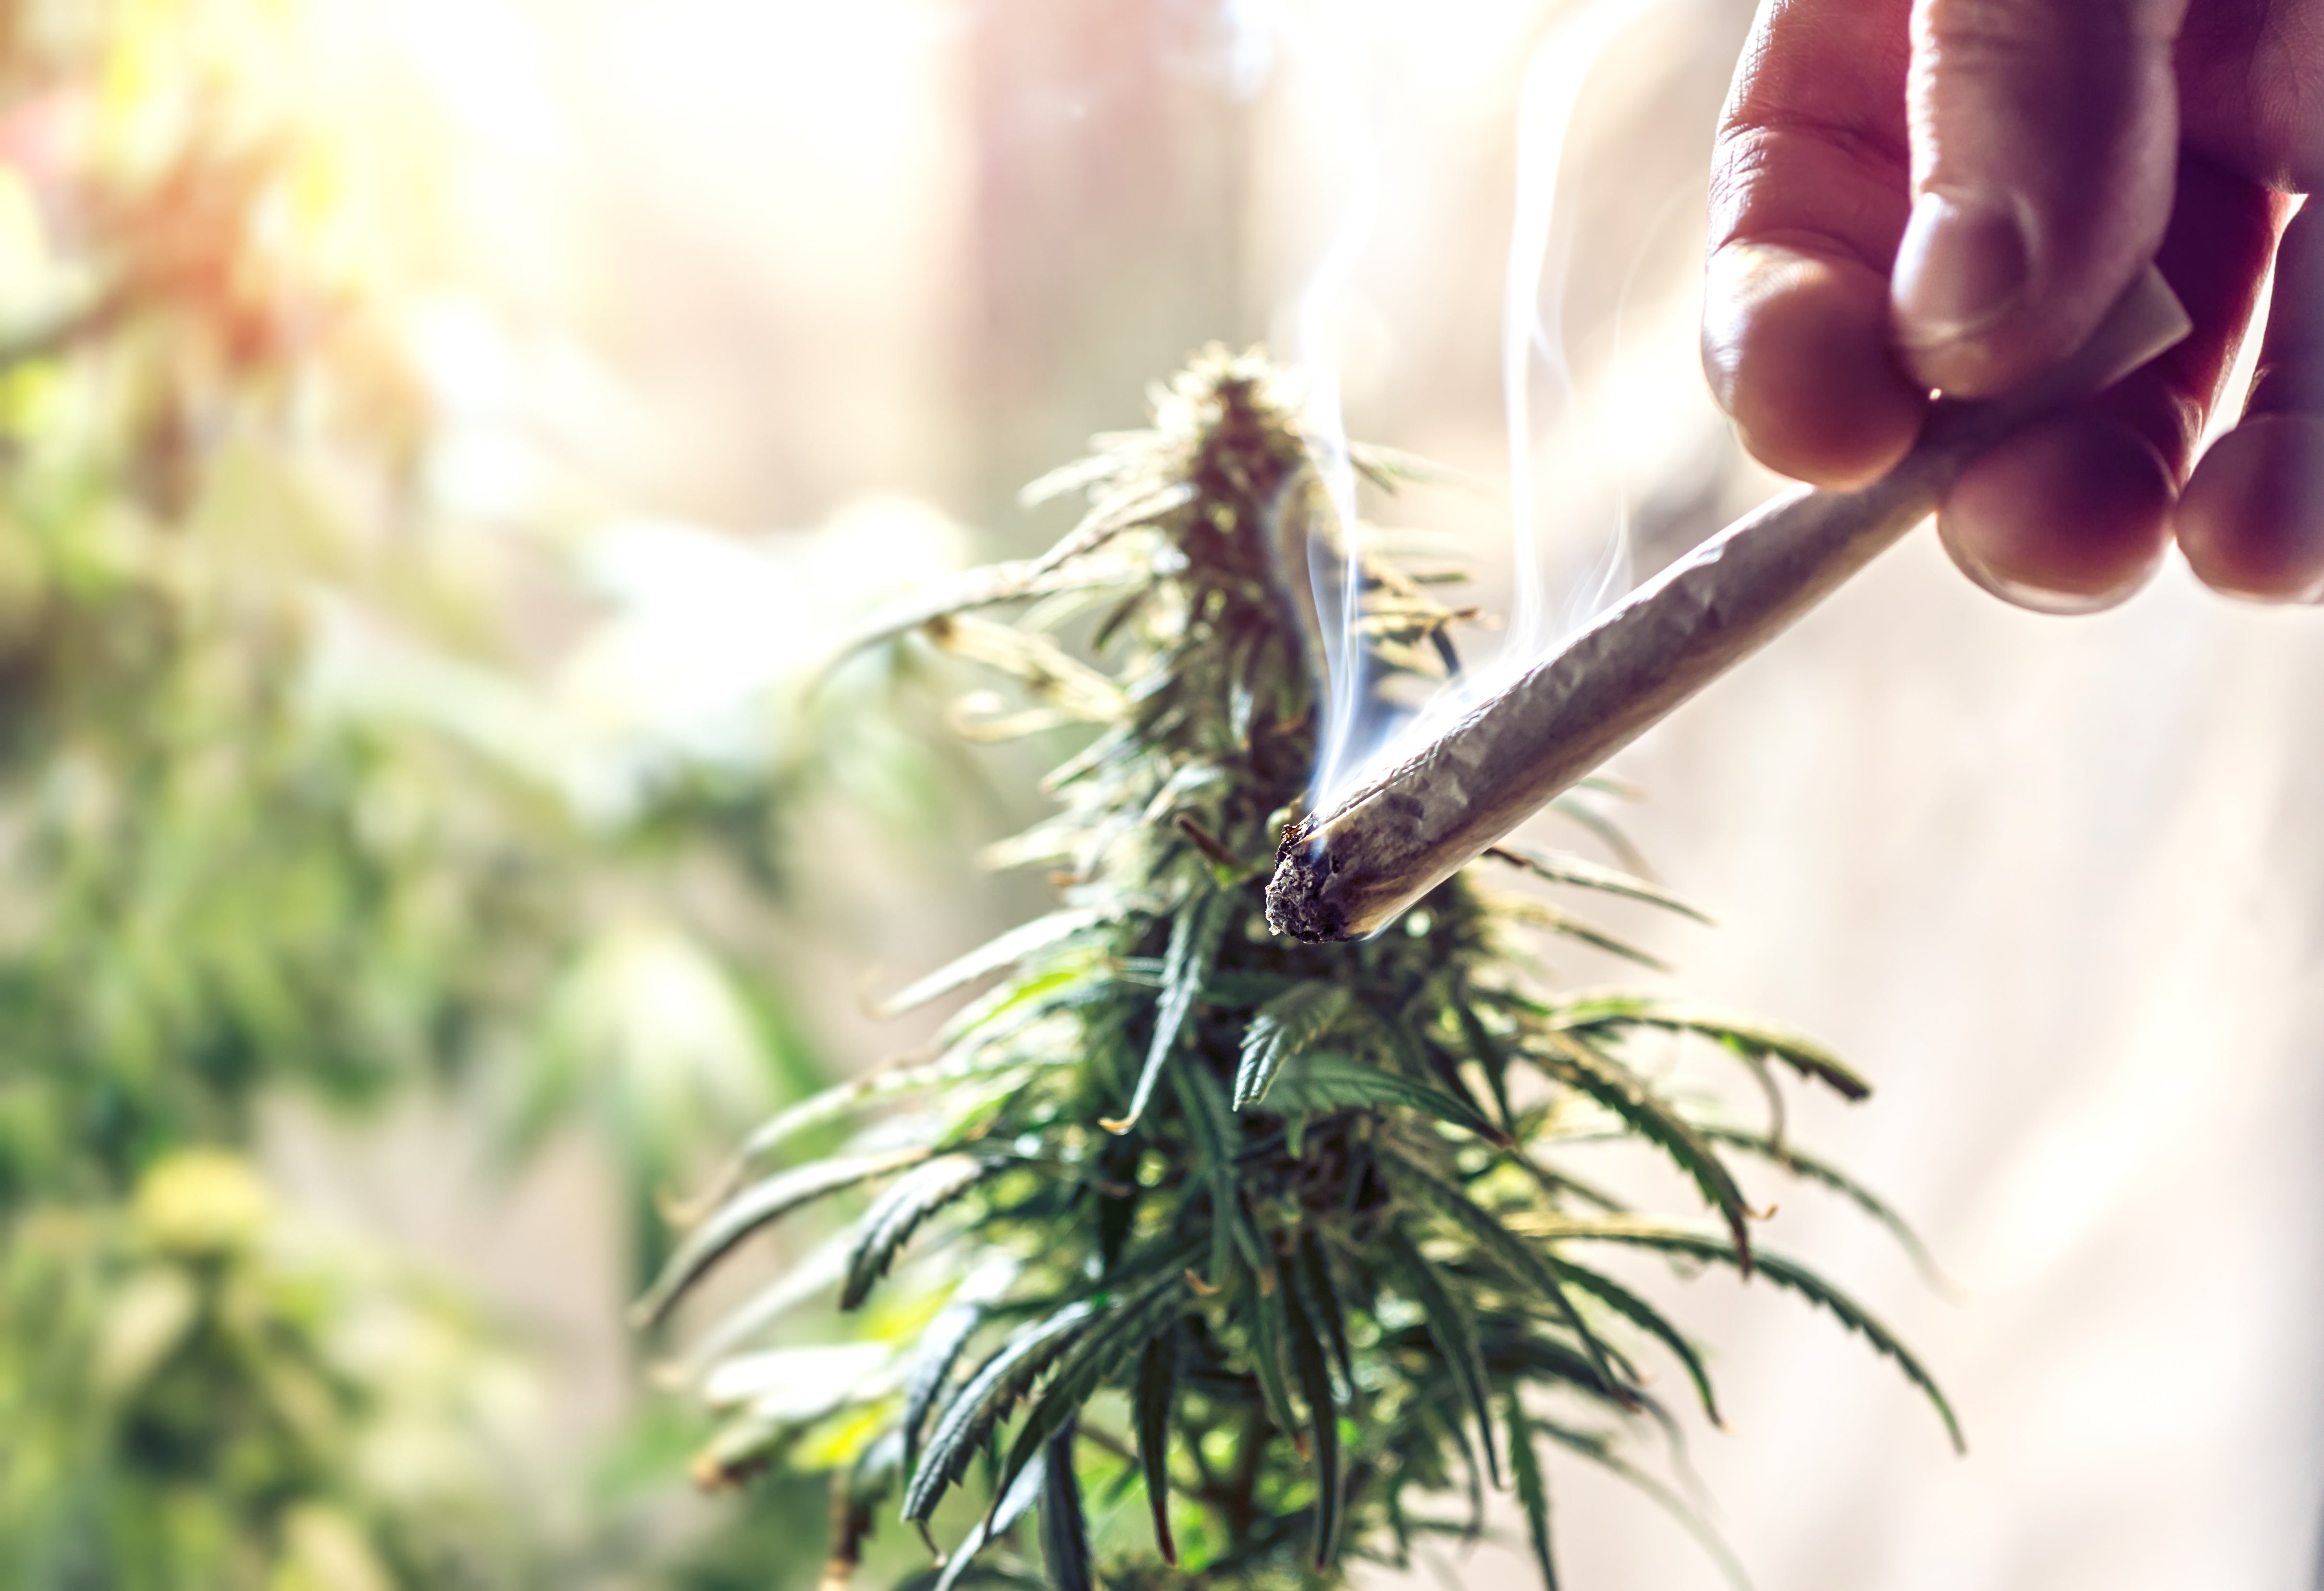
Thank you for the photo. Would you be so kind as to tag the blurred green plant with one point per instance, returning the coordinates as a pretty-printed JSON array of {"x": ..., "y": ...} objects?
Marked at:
[
  {"x": 224, "y": 877},
  {"x": 224, "y": 871},
  {"x": 196, "y": 1393},
  {"x": 1291, "y": 1236},
  {"x": 209, "y": 890}
]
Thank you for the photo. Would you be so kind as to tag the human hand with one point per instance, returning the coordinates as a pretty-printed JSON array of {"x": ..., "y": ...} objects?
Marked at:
[{"x": 1950, "y": 194}]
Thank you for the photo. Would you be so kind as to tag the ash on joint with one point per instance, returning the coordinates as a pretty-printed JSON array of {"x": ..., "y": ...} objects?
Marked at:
[{"x": 1295, "y": 900}]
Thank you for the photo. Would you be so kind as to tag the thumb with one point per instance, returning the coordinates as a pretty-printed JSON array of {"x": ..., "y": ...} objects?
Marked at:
[{"x": 2043, "y": 135}]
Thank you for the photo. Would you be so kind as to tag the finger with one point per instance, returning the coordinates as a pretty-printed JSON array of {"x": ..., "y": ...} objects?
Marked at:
[
  {"x": 2250, "y": 95},
  {"x": 2043, "y": 133},
  {"x": 2071, "y": 517},
  {"x": 1808, "y": 198},
  {"x": 2252, "y": 521},
  {"x": 2075, "y": 514}
]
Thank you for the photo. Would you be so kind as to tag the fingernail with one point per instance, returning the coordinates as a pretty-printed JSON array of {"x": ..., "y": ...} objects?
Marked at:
[{"x": 1962, "y": 265}]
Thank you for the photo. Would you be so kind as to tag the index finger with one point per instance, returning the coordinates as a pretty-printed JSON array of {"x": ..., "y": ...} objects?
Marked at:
[{"x": 1810, "y": 191}]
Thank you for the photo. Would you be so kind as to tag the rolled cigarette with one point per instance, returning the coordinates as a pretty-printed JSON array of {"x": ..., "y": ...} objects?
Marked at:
[{"x": 1348, "y": 871}]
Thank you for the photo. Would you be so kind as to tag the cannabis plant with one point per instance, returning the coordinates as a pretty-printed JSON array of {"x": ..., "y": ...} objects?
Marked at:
[
  {"x": 1288, "y": 1237},
  {"x": 198, "y": 1392}
]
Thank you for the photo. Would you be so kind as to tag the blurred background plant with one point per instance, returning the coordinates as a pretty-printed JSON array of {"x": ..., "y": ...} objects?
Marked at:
[
  {"x": 286, "y": 817},
  {"x": 198, "y": 1394}
]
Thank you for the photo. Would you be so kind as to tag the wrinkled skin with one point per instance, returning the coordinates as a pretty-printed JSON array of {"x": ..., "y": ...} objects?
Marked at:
[{"x": 1949, "y": 194}]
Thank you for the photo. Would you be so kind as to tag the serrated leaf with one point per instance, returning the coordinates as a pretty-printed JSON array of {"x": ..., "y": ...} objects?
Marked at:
[
  {"x": 1667, "y": 1237},
  {"x": 826, "y": 1105},
  {"x": 1064, "y": 980},
  {"x": 1113, "y": 513},
  {"x": 1492, "y": 1056},
  {"x": 819, "y": 1268},
  {"x": 1048, "y": 673},
  {"x": 1646, "y": 1319},
  {"x": 1211, "y": 1133},
  {"x": 1802, "y": 1054},
  {"x": 939, "y": 1350},
  {"x": 1281, "y": 1028},
  {"x": 995, "y": 955},
  {"x": 1315, "y": 1376},
  {"x": 1810, "y": 1168},
  {"x": 1387, "y": 468},
  {"x": 1566, "y": 868},
  {"x": 1078, "y": 475},
  {"x": 897, "y": 1213},
  {"x": 763, "y": 1201},
  {"x": 1322, "y": 1082},
  {"x": 1575, "y": 1061},
  {"x": 1065, "y": 1530},
  {"x": 1421, "y": 1061},
  {"x": 984, "y": 588},
  {"x": 1542, "y": 915},
  {"x": 1194, "y": 936},
  {"x": 963, "y": 1043},
  {"x": 1015, "y": 1504},
  {"x": 1450, "y": 1328},
  {"x": 1263, "y": 1319},
  {"x": 1574, "y": 809},
  {"x": 978, "y": 1406},
  {"x": 1092, "y": 1361},
  {"x": 1324, "y": 1301},
  {"x": 1459, "y": 1435},
  {"x": 1536, "y": 1356},
  {"x": 1158, "y": 1376},
  {"x": 1508, "y": 1253},
  {"x": 1532, "y": 1487}
]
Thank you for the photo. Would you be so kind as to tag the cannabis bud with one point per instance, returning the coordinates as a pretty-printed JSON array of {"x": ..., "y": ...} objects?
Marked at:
[{"x": 1285, "y": 1234}]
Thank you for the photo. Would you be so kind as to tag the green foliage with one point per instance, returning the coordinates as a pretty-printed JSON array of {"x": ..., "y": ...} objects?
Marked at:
[
  {"x": 194, "y": 1397},
  {"x": 211, "y": 895},
  {"x": 211, "y": 888},
  {"x": 1289, "y": 1239},
  {"x": 227, "y": 876}
]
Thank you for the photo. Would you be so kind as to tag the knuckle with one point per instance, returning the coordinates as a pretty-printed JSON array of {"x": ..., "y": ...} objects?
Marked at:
[
  {"x": 1969, "y": 32},
  {"x": 1862, "y": 141},
  {"x": 1793, "y": 180}
]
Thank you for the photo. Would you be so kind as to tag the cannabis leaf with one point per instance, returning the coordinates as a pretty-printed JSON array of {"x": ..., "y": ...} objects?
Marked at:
[
  {"x": 1284, "y": 1026},
  {"x": 1194, "y": 936}
]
